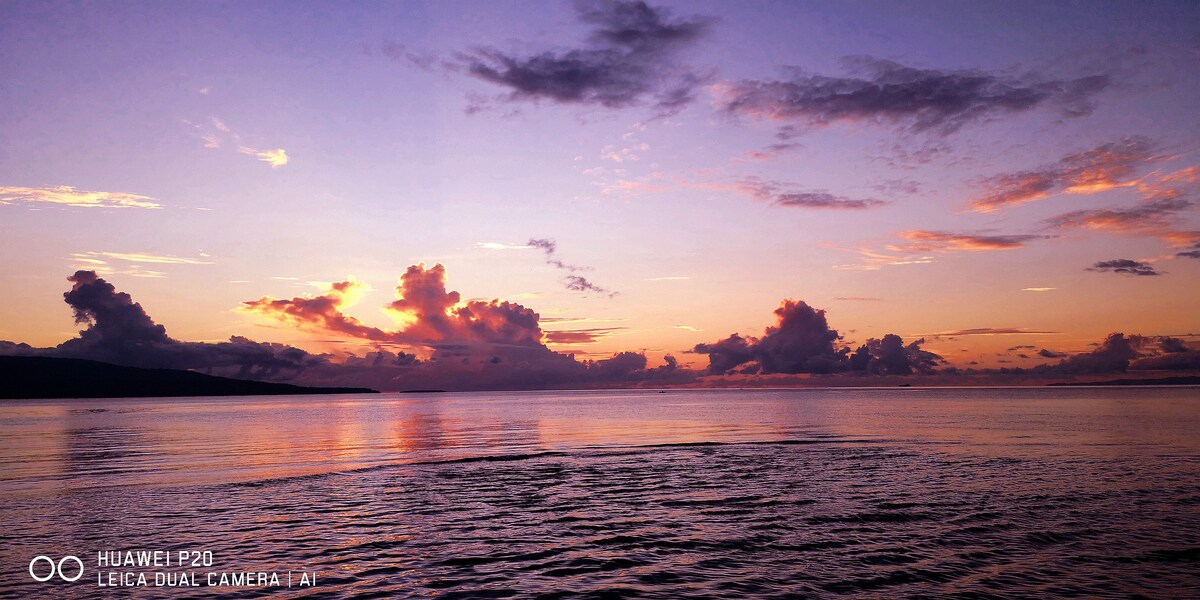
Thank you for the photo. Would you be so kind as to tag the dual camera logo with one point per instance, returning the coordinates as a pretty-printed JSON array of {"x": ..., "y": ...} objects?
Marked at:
[{"x": 55, "y": 568}]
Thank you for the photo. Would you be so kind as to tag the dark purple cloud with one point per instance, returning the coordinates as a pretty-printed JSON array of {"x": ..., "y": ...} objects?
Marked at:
[
  {"x": 631, "y": 59},
  {"x": 890, "y": 356},
  {"x": 1113, "y": 355},
  {"x": 1125, "y": 266},
  {"x": 1193, "y": 252},
  {"x": 802, "y": 342},
  {"x": 573, "y": 281},
  {"x": 120, "y": 331},
  {"x": 773, "y": 192},
  {"x": 940, "y": 101}
]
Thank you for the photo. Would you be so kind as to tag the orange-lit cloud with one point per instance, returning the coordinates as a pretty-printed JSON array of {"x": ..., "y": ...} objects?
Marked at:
[
  {"x": 580, "y": 336},
  {"x": 276, "y": 158},
  {"x": 218, "y": 134},
  {"x": 139, "y": 257},
  {"x": 1099, "y": 169},
  {"x": 322, "y": 313},
  {"x": 920, "y": 240},
  {"x": 1152, "y": 216},
  {"x": 986, "y": 331},
  {"x": 69, "y": 196}
]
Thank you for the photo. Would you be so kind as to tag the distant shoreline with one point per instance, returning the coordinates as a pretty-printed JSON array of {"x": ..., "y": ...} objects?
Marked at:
[
  {"x": 1182, "y": 380},
  {"x": 38, "y": 378}
]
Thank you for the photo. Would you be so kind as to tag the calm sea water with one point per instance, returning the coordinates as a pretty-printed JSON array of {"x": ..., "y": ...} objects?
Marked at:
[{"x": 704, "y": 494}]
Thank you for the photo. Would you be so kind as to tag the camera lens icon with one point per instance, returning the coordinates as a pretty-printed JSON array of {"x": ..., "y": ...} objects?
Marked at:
[{"x": 55, "y": 568}]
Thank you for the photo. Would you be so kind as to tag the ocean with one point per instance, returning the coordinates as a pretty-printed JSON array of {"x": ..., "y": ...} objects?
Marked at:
[{"x": 884, "y": 493}]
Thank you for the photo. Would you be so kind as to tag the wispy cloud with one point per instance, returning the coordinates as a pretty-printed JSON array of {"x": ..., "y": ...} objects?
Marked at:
[
  {"x": 1108, "y": 166},
  {"x": 1150, "y": 216},
  {"x": 580, "y": 336},
  {"x": 276, "y": 158},
  {"x": 784, "y": 194},
  {"x": 69, "y": 196},
  {"x": 920, "y": 246},
  {"x": 140, "y": 257},
  {"x": 217, "y": 134},
  {"x": 1038, "y": 289},
  {"x": 986, "y": 331},
  {"x": 502, "y": 246},
  {"x": 572, "y": 281},
  {"x": 919, "y": 240}
]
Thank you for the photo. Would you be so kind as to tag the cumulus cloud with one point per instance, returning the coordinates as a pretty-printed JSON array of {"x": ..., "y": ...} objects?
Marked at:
[
  {"x": 801, "y": 341},
  {"x": 1125, "y": 266},
  {"x": 630, "y": 59},
  {"x": 447, "y": 344},
  {"x": 66, "y": 195},
  {"x": 119, "y": 331},
  {"x": 1108, "y": 166},
  {"x": 890, "y": 356},
  {"x": 1113, "y": 355},
  {"x": 933, "y": 100}
]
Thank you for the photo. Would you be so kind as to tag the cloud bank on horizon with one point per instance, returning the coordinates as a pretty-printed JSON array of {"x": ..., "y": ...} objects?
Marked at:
[{"x": 478, "y": 345}]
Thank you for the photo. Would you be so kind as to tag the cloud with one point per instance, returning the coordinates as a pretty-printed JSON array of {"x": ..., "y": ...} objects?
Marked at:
[
  {"x": 580, "y": 336},
  {"x": 890, "y": 356},
  {"x": 276, "y": 158},
  {"x": 69, "y": 196},
  {"x": 771, "y": 191},
  {"x": 920, "y": 240},
  {"x": 578, "y": 283},
  {"x": 921, "y": 245},
  {"x": 1044, "y": 353},
  {"x": 919, "y": 100},
  {"x": 1113, "y": 355},
  {"x": 1038, "y": 289},
  {"x": 630, "y": 60},
  {"x": 472, "y": 345},
  {"x": 1108, "y": 166},
  {"x": 119, "y": 331},
  {"x": 988, "y": 331},
  {"x": 573, "y": 281},
  {"x": 801, "y": 341},
  {"x": 138, "y": 257},
  {"x": 320, "y": 313},
  {"x": 1126, "y": 266},
  {"x": 1147, "y": 217},
  {"x": 218, "y": 134}
]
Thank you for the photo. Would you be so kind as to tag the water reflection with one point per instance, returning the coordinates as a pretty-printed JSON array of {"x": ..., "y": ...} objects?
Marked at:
[{"x": 705, "y": 494}]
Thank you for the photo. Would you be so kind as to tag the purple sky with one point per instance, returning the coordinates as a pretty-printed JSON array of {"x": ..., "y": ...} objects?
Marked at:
[{"x": 1024, "y": 171}]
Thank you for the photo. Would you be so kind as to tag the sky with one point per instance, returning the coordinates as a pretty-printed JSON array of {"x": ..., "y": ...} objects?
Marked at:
[{"x": 1010, "y": 182}]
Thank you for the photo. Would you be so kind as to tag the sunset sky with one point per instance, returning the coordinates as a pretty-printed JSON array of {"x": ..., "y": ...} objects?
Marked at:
[{"x": 986, "y": 176}]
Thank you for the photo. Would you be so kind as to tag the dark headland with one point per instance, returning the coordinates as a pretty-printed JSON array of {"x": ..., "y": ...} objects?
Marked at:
[{"x": 43, "y": 377}]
